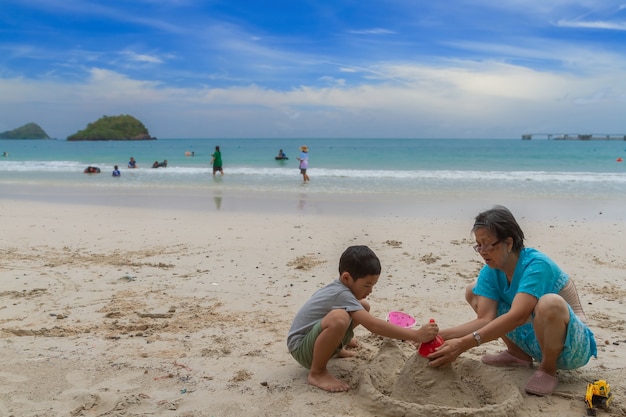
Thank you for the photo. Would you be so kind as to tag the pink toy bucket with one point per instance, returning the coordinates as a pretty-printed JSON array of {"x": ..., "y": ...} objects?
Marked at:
[{"x": 400, "y": 318}]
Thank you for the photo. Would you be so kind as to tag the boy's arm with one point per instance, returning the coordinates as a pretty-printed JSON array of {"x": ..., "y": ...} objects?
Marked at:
[
  {"x": 487, "y": 311},
  {"x": 426, "y": 333}
]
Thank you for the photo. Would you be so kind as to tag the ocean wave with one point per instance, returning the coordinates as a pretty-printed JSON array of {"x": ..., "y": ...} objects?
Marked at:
[{"x": 69, "y": 167}]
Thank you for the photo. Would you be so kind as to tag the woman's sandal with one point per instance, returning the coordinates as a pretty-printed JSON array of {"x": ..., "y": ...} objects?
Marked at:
[
  {"x": 541, "y": 383},
  {"x": 505, "y": 358}
]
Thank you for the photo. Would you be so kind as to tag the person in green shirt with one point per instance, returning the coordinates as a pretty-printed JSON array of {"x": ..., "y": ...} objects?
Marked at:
[{"x": 217, "y": 161}]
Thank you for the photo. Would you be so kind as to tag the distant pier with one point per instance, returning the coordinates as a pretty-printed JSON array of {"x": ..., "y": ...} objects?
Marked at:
[{"x": 576, "y": 136}]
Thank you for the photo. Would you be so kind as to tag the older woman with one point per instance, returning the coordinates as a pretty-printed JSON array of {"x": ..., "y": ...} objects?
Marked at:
[{"x": 523, "y": 297}]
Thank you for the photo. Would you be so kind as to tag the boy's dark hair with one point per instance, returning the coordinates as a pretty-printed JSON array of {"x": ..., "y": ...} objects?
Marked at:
[{"x": 359, "y": 261}]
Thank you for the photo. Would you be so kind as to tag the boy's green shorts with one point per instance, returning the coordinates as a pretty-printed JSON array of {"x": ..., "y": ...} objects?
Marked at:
[{"x": 304, "y": 353}]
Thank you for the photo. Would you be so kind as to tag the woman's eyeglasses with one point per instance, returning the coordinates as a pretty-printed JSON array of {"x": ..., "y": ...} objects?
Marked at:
[{"x": 485, "y": 248}]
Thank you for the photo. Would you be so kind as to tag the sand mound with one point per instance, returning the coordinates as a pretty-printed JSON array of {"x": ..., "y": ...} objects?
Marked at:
[{"x": 396, "y": 386}]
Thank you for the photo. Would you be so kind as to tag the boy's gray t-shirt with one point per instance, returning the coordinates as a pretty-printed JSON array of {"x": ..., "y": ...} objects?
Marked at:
[{"x": 333, "y": 296}]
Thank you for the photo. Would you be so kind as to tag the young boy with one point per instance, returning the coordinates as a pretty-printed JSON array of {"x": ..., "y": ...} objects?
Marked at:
[{"x": 323, "y": 327}]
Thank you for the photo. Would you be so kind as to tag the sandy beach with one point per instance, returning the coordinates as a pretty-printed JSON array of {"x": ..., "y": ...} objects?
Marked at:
[{"x": 114, "y": 306}]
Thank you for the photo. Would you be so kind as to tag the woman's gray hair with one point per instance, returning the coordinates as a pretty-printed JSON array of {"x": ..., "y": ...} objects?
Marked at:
[{"x": 501, "y": 222}]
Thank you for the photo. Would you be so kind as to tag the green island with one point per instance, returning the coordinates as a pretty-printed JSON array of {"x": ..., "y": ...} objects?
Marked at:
[
  {"x": 123, "y": 127},
  {"x": 28, "y": 131}
]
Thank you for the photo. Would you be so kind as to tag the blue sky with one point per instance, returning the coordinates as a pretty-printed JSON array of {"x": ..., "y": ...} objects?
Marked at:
[{"x": 340, "y": 68}]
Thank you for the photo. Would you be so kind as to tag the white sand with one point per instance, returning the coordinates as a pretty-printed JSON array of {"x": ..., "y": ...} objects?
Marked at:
[{"x": 114, "y": 309}]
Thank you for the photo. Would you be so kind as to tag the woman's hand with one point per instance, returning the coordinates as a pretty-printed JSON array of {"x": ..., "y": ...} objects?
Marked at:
[{"x": 446, "y": 353}]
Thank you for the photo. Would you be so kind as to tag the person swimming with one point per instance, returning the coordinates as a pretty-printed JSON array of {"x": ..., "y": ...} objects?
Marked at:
[
  {"x": 91, "y": 170},
  {"x": 281, "y": 155}
]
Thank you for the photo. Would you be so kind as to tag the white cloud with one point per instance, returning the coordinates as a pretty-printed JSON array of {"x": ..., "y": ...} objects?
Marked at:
[
  {"x": 133, "y": 56},
  {"x": 451, "y": 101},
  {"x": 592, "y": 25},
  {"x": 595, "y": 97},
  {"x": 375, "y": 31},
  {"x": 333, "y": 81}
]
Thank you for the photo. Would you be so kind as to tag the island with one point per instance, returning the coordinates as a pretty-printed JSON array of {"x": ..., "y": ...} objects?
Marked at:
[
  {"x": 123, "y": 127},
  {"x": 28, "y": 131}
]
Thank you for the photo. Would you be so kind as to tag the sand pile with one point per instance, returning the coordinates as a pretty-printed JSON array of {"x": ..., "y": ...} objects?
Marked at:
[
  {"x": 396, "y": 386},
  {"x": 420, "y": 384}
]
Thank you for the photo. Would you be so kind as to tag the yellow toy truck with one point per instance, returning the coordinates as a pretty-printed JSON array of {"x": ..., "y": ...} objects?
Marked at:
[{"x": 598, "y": 395}]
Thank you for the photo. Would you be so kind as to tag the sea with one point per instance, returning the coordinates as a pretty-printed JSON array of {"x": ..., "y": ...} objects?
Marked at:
[{"x": 538, "y": 168}]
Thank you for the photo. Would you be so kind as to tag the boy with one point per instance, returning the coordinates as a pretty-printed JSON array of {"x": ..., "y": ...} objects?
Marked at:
[{"x": 323, "y": 327}]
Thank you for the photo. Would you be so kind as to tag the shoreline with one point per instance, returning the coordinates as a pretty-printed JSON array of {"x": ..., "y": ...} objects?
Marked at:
[{"x": 302, "y": 202}]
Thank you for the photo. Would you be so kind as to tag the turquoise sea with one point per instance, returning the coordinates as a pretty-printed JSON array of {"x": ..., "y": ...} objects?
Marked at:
[{"x": 412, "y": 167}]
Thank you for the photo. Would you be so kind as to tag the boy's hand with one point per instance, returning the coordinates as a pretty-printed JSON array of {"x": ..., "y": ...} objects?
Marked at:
[{"x": 426, "y": 333}]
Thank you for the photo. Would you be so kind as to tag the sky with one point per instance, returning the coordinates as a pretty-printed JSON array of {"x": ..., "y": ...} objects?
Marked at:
[{"x": 316, "y": 68}]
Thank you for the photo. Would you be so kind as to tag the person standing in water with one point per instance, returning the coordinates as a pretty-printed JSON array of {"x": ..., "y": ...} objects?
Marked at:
[
  {"x": 304, "y": 162},
  {"x": 216, "y": 161}
]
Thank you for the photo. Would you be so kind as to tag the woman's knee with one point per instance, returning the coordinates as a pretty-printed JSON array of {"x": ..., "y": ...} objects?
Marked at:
[{"x": 552, "y": 306}]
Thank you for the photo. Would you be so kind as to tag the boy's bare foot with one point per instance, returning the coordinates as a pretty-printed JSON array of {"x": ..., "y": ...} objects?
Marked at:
[
  {"x": 343, "y": 353},
  {"x": 327, "y": 382},
  {"x": 353, "y": 344}
]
